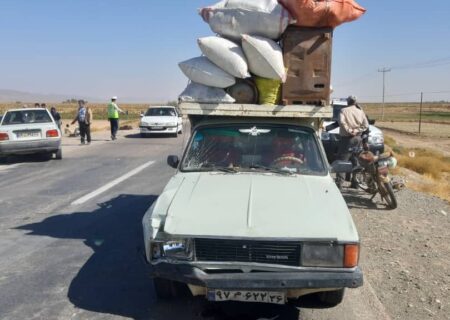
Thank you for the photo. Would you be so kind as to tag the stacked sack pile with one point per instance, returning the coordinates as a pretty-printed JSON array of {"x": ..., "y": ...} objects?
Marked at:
[{"x": 245, "y": 62}]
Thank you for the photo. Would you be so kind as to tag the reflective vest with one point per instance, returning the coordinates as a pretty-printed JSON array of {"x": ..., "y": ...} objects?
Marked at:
[{"x": 112, "y": 111}]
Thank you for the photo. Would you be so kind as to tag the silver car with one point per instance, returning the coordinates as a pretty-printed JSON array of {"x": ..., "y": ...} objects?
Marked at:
[{"x": 29, "y": 131}]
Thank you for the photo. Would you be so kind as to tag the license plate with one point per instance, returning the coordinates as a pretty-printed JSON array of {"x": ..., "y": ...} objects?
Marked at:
[
  {"x": 247, "y": 296},
  {"x": 156, "y": 128},
  {"x": 28, "y": 134}
]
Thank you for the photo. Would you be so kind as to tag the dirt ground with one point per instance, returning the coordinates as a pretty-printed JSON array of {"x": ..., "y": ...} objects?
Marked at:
[
  {"x": 406, "y": 253},
  {"x": 103, "y": 125}
]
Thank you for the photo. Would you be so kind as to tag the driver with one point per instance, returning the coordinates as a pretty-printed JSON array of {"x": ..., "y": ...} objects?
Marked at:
[{"x": 284, "y": 153}]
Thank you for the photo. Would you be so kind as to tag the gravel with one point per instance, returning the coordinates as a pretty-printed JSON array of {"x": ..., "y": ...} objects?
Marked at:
[{"x": 406, "y": 252}]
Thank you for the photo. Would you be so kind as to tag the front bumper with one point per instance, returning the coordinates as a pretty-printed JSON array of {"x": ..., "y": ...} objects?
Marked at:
[
  {"x": 259, "y": 280},
  {"x": 162, "y": 130},
  {"x": 29, "y": 147}
]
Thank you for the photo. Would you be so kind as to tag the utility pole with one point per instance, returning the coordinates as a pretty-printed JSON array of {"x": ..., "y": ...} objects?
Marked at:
[
  {"x": 384, "y": 70},
  {"x": 420, "y": 113}
]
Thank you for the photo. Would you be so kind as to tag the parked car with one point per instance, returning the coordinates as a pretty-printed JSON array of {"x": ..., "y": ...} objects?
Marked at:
[
  {"x": 161, "y": 120},
  {"x": 330, "y": 139},
  {"x": 29, "y": 131}
]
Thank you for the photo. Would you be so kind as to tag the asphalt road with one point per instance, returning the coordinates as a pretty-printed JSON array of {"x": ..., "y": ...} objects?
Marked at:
[{"x": 71, "y": 239}]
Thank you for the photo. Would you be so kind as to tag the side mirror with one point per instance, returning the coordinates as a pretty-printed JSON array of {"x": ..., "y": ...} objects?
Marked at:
[
  {"x": 340, "y": 166},
  {"x": 372, "y": 122},
  {"x": 173, "y": 161}
]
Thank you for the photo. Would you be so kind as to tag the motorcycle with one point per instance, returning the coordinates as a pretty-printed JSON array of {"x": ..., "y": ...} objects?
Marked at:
[{"x": 372, "y": 176}]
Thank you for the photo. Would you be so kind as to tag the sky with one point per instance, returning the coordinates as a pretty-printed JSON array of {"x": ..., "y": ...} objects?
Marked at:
[{"x": 131, "y": 48}]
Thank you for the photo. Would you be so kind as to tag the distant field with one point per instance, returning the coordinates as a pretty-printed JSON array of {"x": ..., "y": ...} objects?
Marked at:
[{"x": 431, "y": 112}]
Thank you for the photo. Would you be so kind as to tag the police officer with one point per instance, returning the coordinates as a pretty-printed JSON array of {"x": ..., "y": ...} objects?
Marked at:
[{"x": 113, "y": 117}]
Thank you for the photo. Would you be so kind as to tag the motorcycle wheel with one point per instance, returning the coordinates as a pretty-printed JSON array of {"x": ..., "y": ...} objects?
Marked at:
[{"x": 389, "y": 196}]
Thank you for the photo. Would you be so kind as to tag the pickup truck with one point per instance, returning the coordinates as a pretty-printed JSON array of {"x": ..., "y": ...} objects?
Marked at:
[{"x": 252, "y": 213}]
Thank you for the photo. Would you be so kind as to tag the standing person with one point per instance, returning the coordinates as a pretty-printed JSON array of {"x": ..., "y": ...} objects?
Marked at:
[
  {"x": 352, "y": 123},
  {"x": 113, "y": 117},
  {"x": 56, "y": 116},
  {"x": 84, "y": 118}
]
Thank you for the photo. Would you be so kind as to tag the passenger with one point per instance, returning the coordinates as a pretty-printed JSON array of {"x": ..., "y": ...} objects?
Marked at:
[{"x": 221, "y": 152}]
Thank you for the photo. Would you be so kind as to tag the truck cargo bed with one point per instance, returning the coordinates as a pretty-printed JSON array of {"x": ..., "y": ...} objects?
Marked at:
[{"x": 253, "y": 110}]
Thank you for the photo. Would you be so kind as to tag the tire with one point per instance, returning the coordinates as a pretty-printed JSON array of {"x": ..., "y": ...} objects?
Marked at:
[
  {"x": 330, "y": 299},
  {"x": 164, "y": 289},
  {"x": 143, "y": 135},
  {"x": 389, "y": 196},
  {"x": 58, "y": 154}
]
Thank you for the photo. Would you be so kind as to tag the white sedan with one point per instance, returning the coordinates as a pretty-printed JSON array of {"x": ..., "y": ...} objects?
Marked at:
[
  {"x": 29, "y": 131},
  {"x": 161, "y": 120}
]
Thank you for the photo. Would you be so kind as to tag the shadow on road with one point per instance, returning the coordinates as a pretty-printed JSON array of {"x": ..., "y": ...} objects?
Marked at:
[
  {"x": 152, "y": 136},
  {"x": 32, "y": 158},
  {"x": 357, "y": 199},
  {"x": 115, "y": 278}
]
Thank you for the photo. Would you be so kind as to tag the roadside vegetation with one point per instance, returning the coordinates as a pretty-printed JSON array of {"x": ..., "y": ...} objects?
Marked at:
[{"x": 426, "y": 170}]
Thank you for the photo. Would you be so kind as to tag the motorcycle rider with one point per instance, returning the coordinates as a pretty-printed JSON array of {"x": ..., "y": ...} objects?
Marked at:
[{"x": 352, "y": 124}]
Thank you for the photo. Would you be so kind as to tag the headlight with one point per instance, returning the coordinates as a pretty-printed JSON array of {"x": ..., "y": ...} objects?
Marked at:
[
  {"x": 376, "y": 139},
  {"x": 323, "y": 255},
  {"x": 174, "y": 249},
  {"x": 330, "y": 255},
  {"x": 325, "y": 136},
  {"x": 172, "y": 124},
  {"x": 144, "y": 124}
]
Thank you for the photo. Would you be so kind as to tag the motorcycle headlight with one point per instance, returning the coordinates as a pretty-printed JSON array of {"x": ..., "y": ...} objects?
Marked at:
[
  {"x": 174, "y": 249},
  {"x": 327, "y": 255},
  {"x": 376, "y": 139}
]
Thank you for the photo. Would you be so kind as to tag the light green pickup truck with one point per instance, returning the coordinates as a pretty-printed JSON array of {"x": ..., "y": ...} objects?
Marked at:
[{"x": 252, "y": 213}]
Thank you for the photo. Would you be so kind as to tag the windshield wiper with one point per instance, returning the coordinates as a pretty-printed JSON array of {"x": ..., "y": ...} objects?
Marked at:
[
  {"x": 221, "y": 169},
  {"x": 271, "y": 170}
]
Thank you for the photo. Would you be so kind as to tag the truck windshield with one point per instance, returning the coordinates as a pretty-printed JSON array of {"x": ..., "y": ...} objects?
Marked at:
[{"x": 265, "y": 148}]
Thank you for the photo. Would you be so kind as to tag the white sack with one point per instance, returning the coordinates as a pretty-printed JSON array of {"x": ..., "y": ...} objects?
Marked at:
[
  {"x": 199, "y": 93},
  {"x": 203, "y": 71},
  {"x": 233, "y": 18},
  {"x": 265, "y": 57},
  {"x": 225, "y": 54}
]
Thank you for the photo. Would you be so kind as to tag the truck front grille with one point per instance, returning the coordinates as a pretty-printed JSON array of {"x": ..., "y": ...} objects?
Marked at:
[{"x": 270, "y": 252}]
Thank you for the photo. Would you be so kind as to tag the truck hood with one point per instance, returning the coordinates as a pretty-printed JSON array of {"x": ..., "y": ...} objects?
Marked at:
[{"x": 251, "y": 205}]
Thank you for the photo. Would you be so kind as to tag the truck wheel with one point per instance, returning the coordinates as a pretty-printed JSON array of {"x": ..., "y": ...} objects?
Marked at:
[
  {"x": 164, "y": 289},
  {"x": 331, "y": 299},
  {"x": 58, "y": 154}
]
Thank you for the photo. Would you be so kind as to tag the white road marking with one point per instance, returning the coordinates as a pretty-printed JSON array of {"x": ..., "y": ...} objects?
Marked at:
[{"x": 112, "y": 184}]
